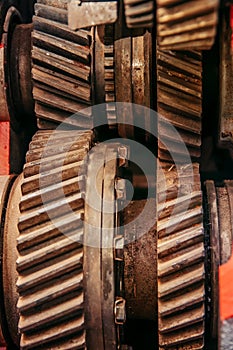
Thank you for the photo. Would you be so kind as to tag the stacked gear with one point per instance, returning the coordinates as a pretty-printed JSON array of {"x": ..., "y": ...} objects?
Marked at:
[{"x": 73, "y": 275}]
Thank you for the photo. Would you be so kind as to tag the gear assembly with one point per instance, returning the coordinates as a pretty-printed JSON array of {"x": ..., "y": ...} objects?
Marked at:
[{"x": 116, "y": 174}]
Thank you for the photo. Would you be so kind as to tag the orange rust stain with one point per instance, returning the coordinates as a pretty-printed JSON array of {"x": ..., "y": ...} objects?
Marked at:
[
  {"x": 226, "y": 289},
  {"x": 4, "y": 148}
]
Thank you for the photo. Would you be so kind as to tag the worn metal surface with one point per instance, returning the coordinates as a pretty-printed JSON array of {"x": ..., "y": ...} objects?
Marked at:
[
  {"x": 62, "y": 67},
  {"x": 92, "y": 250},
  {"x": 10, "y": 17},
  {"x": 50, "y": 251},
  {"x": 181, "y": 273},
  {"x": 20, "y": 75},
  {"x": 186, "y": 25},
  {"x": 133, "y": 62},
  {"x": 5, "y": 185},
  {"x": 4, "y": 115},
  {"x": 82, "y": 14},
  {"x": 179, "y": 91},
  {"x": 140, "y": 267},
  {"x": 139, "y": 13},
  {"x": 225, "y": 88},
  {"x": 214, "y": 234},
  {"x": 108, "y": 263},
  {"x": 10, "y": 255},
  {"x": 99, "y": 230},
  {"x": 220, "y": 206}
]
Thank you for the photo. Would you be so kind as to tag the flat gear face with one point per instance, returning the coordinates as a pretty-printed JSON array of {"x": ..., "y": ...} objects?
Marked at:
[
  {"x": 50, "y": 262},
  {"x": 133, "y": 63},
  {"x": 99, "y": 231},
  {"x": 183, "y": 25},
  {"x": 5, "y": 332},
  {"x": 62, "y": 67},
  {"x": 181, "y": 270}
]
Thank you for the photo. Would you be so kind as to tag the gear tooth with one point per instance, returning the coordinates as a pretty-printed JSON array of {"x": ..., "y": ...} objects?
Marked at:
[
  {"x": 61, "y": 68},
  {"x": 139, "y": 13},
  {"x": 180, "y": 102},
  {"x": 53, "y": 335},
  {"x": 181, "y": 281},
  {"x": 187, "y": 25},
  {"x": 48, "y": 294},
  {"x": 50, "y": 262},
  {"x": 38, "y": 234},
  {"x": 27, "y": 282},
  {"x": 180, "y": 303},
  {"x": 181, "y": 260},
  {"x": 192, "y": 338},
  {"x": 180, "y": 240}
]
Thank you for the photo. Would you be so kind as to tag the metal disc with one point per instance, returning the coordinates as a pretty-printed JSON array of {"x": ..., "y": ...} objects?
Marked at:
[
  {"x": 5, "y": 186},
  {"x": 10, "y": 255},
  {"x": 98, "y": 249}
]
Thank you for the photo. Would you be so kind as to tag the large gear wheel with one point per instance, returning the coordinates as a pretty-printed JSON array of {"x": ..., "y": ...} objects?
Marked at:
[
  {"x": 62, "y": 67},
  {"x": 181, "y": 269},
  {"x": 184, "y": 25},
  {"x": 181, "y": 273},
  {"x": 50, "y": 282},
  {"x": 66, "y": 260}
]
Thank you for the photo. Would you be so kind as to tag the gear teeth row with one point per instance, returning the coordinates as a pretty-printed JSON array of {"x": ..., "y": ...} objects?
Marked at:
[
  {"x": 109, "y": 65},
  {"x": 139, "y": 13},
  {"x": 62, "y": 65},
  {"x": 50, "y": 262},
  {"x": 184, "y": 25},
  {"x": 179, "y": 81},
  {"x": 181, "y": 274}
]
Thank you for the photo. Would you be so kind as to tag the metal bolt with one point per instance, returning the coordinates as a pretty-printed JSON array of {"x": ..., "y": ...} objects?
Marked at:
[
  {"x": 120, "y": 189},
  {"x": 123, "y": 154},
  {"x": 119, "y": 243},
  {"x": 120, "y": 311}
]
